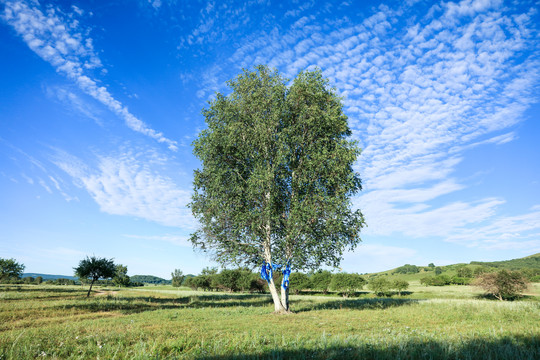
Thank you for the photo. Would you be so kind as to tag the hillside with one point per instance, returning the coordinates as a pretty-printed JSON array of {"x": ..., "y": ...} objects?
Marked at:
[{"x": 529, "y": 264}]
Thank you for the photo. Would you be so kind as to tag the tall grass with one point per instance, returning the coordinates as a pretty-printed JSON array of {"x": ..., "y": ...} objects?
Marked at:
[{"x": 60, "y": 322}]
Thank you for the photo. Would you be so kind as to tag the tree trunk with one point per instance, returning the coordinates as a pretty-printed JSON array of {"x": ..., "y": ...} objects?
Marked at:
[
  {"x": 92, "y": 283},
  {"x": 285, "y": 298},
  {"x": 278, "y": 307}
]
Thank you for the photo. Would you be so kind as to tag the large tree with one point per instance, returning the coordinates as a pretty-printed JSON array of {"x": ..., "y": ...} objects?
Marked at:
[
  {"x": 277, "y": 175},
  {"x": 94, "y": 268},
  {"x": 10, "y": 268}
]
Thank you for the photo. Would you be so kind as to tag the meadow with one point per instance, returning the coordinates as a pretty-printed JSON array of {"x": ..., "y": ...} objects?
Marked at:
[{"x": 162, "y": 322}]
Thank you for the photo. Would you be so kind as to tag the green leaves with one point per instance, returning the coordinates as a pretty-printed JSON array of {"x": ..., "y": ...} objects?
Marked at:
[{"x": 276, "y": 175}]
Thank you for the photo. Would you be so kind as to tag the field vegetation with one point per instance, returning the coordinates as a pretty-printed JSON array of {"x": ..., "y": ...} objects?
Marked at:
[{"x": 428, "y": 322}]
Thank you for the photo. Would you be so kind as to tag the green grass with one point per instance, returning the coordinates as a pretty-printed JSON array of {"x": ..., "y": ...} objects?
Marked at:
[{"x": 162, "y": 322}]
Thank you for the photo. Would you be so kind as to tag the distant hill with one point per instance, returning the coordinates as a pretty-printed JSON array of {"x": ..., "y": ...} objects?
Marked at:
[
  {"x": 49, "y": 277},
  {"x": 149, "y": 279},
  {"x": 529, "y": 262}
]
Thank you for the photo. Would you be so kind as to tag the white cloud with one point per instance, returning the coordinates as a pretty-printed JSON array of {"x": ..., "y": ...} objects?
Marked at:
[
  {"x": 57, "y": 39},
  {"x": 179, "y": 240},
  {"x": 126, "y": 184},
  {"x": 418, "y": 97}
]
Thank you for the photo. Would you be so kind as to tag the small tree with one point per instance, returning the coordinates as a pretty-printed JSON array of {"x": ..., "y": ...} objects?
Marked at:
[
  {"x": 121, "y": 277},
  {"x": 320, "y": 280},
  {"x": 38, "y": 280},
  {"x": 300, "y": 281},
  {"x": 380, "y": 286},
  {"x": 400, "y": 285},
  {"x": 10, "y": 269},
  {"x": 347, "y": 284},
  {"x": 177, "y": 277},
  {"x": 503, "y": 284},
  {"x": 94, "y": 269}
]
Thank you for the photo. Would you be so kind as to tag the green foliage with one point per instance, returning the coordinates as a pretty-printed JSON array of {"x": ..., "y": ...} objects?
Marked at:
[
  {"x": 439, "y": 280},
  {"x": 503, "y": 284},
  {"x": 299, "y": 281},
  {"x": 431, "y": 265},
  {"x": 438, "y": 270},
  {"x": 400, "y": 285},
  {"x": 347, "y": 284},
  {"x": 276, "y": 175},
  {"x": 320, "y": 280},
  {"x": 121, "y": 277},
  {"x": 94, "y": 268},
  {"x": 407, "y": 269},
  {"x": 10, "y": 269},
  {"x": 464, "y": 271},
  {"x": 149, "y": 279},
  {"x": 381, "y": 286},
  {"x": 177, "y": 277}
]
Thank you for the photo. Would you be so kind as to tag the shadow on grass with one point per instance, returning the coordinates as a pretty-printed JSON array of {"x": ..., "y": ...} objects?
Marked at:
[
  {"x": 506, "y": 298},
  {"x": 359, "y": 304},
  {"x": 130, "y": 305},
  {"x": 518, "y": 347},
  {"x": 30, "y": 288}
]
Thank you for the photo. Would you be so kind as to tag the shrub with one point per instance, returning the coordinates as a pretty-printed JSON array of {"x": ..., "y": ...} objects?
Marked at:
[
  {"x": 407, "y": 269},
  {"x": 400, "y": 285},
  {"x": 380, "y": 286},
  {"x": 321, "y": 280},
  {"x": 347, "y": 284},
  {"x": 503, "y": 284},
  {"x": 299, "y": 281}
]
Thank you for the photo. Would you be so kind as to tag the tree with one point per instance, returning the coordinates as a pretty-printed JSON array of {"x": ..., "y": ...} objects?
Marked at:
[
  {"x": 407, "y": 269},
  {"x": 503, "y": 284},
  {"x": 347, "y": 284},
  {"x": 464, "y": 272},
  {"x": 321, "y": 279},
  {"x": 94, "y": 269},
  {"x": 121, "y": 277},
  {"x": 276, "y": 178},
  {"x": 300, "y": 281},
  {"x": 431, "y": 265},
  {"x": 400, "y": 285},
  {"x": 10, "y": 269},
  {"x": 380, "y": 286},
  {"x": 177, "y": 277}
]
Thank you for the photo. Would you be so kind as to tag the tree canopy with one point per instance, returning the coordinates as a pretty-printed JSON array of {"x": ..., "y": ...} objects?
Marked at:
[
  {"x": 277, "y": 175},
  {"x": 10, "y": 268},
  {"x": 94, "y": 268}
]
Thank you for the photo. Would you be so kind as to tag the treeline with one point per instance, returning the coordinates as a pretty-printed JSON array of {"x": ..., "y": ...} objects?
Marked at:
[{"x": 244, "y": 280}]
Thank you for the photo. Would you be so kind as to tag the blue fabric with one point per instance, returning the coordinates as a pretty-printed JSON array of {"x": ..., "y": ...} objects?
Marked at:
[
  {"x": 286, "y": 273},
  {"x": 267, "y": 273}
]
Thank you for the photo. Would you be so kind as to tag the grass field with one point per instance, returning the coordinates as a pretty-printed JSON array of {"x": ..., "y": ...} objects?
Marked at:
[{"x": 162, "y": 322}]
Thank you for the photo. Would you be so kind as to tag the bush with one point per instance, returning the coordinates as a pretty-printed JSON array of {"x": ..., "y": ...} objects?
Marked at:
[
  {"x": 400, "y": 285},
  {"x": 299, "y": 281},
  {"x": 407, "y": 269},
  {"x": 439, "y": 280},
  {"x": 347, "y": 284},
  {"x": 321, "y": 280},
  {"x": 380, "y": 286},
  {"x": 503, "y": 284}
]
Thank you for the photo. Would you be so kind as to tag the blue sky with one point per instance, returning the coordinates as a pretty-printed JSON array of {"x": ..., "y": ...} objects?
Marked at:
[{"x": 100, "y": 101}]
